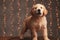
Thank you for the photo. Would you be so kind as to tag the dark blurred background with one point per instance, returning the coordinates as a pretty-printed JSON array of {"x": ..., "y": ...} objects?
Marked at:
[{"x": 13, "y": 12}]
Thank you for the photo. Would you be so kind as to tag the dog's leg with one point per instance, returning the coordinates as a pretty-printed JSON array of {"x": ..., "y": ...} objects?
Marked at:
[
  {"x": 44, "y": 32},
  {"x": 22, "y": 32},
  {"x": 34, "y": 34}
]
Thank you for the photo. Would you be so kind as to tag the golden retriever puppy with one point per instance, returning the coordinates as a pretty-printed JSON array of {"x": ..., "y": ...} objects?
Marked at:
[{"x": 37, "y": 21}]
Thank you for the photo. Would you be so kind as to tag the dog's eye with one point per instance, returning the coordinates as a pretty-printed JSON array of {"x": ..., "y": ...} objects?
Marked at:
[
  {"x": 41, "y": 7},
  {"x": 35, "y": 7}
]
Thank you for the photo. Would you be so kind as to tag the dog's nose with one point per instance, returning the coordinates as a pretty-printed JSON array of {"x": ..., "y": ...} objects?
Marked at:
[{"x": 38, "y": 10}]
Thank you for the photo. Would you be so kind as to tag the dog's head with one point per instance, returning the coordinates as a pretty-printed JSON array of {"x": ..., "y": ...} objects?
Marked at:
[{"x": 39, "y": 10}]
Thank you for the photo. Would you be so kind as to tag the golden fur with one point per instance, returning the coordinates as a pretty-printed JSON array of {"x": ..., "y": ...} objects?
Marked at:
[{"x": 37, "y": 21}]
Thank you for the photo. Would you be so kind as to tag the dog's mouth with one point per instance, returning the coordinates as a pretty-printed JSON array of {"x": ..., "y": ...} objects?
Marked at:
[{"x": 39, "y": 13}]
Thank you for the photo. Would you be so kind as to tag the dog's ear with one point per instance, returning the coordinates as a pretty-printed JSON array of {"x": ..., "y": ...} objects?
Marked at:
[
  {"x": 45, "y": 11},
  {"x": 32, "y": 11}
]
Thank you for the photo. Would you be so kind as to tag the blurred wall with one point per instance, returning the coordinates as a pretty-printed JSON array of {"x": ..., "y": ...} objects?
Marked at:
[{"x": 12, "y": 13}]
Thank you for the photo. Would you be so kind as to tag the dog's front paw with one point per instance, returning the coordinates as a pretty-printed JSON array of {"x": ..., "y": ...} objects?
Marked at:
[
  {"x": 34, "y": 38},
  {"x": 47, "y": 39},
  {"x": 21, "y": 37}
]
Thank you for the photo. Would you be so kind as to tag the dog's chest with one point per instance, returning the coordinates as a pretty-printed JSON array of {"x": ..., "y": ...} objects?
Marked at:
[{"x": 37, "y": 23}]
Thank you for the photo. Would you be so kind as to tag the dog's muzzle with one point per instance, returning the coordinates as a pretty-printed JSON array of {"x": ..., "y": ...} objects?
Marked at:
[{"x": 38, "y": 11}]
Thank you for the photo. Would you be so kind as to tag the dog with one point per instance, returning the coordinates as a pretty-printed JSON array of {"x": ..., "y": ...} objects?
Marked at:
[{"x": 36, "y": 22}]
